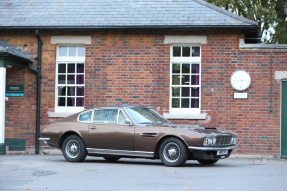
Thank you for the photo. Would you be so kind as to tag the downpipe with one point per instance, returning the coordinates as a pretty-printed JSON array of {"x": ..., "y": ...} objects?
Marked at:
[{"x": 38, "y": 104}]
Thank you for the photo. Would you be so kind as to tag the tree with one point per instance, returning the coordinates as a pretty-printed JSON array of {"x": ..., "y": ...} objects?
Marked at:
[{"x": 268, "y": 14}]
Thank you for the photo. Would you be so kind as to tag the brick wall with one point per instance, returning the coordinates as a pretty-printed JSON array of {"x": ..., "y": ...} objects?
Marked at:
[{"x": 132, "y": 67}]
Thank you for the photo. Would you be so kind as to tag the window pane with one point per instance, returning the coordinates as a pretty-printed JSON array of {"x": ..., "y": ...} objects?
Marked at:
[
  {"x": 63, "y": 51},
  {"x": 186, "y": 68},
  {"x": 185, "y": 103},
  {"x": 71, "y": 79},
  {"x": 80, "y": 90},
  {"x": 194, "y": 103},
  {"x": 105, "y": 116},
  {"x": 80, "y": 79},
  {"x": 80, "y": 68},
  {"x": 80, "y": 101},
  {"x": 195, "y": 92},
  {"x": 185, "y": 92},
  {"x": 85, "y": 117},
  {"x": 62, "y": 68},
  {"x": 194, "y": 79},
  {"x": 61, "y": 79},
  {"x": 185, "y": 80},
  {"x": 71, "y": 68},
  {"x": 177, "y": 51},
  {"x": 61, "y": 101},
  {"x": 175, "y": 80},
  {"x": 175, "y": 91},
  {"x": 175, "y": 103},
  {"x": 71, "y": 91},
  {"x": 81, "y": 51},
  {"x": 62, "y": 91},
  {"x": 122, "y": 118},
  {"x": 72, "y": 51},
  {"x": 70, "y": 101},
  {"x": 195, "y": 51},
  {"x": 185, "y": 51},
  {"x": 175, "y": 68},
  {"x": 195, "y": 68}
]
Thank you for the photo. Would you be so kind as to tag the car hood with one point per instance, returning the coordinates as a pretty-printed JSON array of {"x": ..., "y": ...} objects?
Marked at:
[{"x": 203, "y": 130}]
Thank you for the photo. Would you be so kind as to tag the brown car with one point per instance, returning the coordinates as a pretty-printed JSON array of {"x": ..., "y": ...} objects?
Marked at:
[{"x": 119, "y": 131}]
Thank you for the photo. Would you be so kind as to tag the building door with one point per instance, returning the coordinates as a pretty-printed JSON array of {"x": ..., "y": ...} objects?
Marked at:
[{"x": 284, "y": 121}]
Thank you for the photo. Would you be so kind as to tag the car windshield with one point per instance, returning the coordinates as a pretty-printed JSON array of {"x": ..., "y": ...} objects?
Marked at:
[{"x": 143, "y": 115}]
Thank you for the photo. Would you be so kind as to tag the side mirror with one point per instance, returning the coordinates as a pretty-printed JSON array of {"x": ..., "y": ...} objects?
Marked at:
[{"x": 127, "y": 121}]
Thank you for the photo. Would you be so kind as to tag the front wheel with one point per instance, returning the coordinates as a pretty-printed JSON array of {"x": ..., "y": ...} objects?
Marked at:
[
  {"x": 74, "y": 149},
  {"x": 173, "y": 152},
  {"x": 207, "y": 161}
]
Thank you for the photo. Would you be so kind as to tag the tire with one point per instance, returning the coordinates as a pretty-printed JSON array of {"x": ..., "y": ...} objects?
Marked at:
[
  {"x": 74, "y": 149},
  {"x": 173, "y": 152},
  {"x": 112, "y": 158},
  {"x": 207, "y": 161}
]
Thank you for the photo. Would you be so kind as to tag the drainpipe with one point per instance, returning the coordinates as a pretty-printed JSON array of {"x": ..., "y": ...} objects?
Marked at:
[
  {"x": 271, "y": 92},
  {"x": 38, "y": 72}
]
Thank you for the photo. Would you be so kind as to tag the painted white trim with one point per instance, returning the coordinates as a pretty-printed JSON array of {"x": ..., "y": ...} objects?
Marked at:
[
  {"x": 185, "y": 39},
  {"x": 66, "y": 60},
  {"x": 192, "y": 60},
  {"x": 2, "y": 103},
  {"x": 71, "y": 39},
  {"x": 280, "y": 75},
  {"x": 185, "y": 116}
]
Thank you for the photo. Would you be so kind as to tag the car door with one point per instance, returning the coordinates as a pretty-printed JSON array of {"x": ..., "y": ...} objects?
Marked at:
[{"x": 109, "y": 131}]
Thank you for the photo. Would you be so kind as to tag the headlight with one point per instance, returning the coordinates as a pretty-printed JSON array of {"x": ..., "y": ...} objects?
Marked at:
[
  {"x": 233, "y": 140},
  {"x": 209, "y": 141}
]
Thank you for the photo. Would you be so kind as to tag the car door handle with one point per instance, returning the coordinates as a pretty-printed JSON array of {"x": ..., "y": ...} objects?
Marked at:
[
  {"x": 148, "y": 134},
  {"x": 93, "y": 127}
]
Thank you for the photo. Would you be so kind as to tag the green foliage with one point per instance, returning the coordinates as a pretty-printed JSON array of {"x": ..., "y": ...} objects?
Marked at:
[{"x": 268, "y": 13}]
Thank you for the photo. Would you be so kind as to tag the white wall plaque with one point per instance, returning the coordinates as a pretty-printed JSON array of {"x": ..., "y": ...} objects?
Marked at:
[{"x": 240, "y": 96}]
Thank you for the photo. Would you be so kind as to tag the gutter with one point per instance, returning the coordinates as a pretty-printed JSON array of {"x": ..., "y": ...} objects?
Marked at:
[
  {"x": 191, "y": 27},
  {"x": 38, "y": 72}
]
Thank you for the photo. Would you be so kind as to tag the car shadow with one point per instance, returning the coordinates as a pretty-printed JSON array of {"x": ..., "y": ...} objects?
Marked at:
[{"x": 145, "y": 162}]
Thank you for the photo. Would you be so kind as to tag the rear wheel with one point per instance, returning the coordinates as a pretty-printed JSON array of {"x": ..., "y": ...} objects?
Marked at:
[
  {"x": 112, "y": 158},
  {"x": 173, "y": 152},
  {"x": 207, "y": 161},
  {"x": 74, "y": 149}
]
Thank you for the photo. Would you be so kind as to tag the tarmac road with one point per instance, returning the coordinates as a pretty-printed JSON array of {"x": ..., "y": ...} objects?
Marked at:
[{"x": 53, "y": 172}]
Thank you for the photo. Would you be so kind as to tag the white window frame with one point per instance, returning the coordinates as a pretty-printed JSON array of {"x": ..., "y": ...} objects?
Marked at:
[
  {"x": 67, "y": 59},
  {"x": 192, "y": 60}
]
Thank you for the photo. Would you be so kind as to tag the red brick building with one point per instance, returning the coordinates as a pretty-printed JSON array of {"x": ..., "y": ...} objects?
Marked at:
[{"x": 175, "y": 58}]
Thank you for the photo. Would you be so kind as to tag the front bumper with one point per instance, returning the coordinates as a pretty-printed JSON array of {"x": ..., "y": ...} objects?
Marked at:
[
  {"x": 213, "y": 148},
  {"x": 209, "y": 153}
]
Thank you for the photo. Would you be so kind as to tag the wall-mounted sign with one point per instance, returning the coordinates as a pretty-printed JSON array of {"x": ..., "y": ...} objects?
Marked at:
[
  {"x": 240, "y": 96},
  {"x": 14, "y": 90}
]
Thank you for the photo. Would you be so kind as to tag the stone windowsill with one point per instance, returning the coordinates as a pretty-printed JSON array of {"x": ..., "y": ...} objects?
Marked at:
[
  {"x": 185, "y": 116},
  {"x": 59, "y": 114}
]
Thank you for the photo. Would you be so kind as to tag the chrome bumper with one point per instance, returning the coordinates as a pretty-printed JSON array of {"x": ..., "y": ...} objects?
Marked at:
[
  {"x": 213, "y": 148},
  {"x": 44, "y": 139}
]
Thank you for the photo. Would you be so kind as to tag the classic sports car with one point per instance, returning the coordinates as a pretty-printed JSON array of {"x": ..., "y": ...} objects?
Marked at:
[{"x": 119, "y": 131}]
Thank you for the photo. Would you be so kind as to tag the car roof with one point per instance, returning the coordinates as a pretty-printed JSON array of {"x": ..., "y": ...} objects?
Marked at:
[{"x": 119, "y": 106}]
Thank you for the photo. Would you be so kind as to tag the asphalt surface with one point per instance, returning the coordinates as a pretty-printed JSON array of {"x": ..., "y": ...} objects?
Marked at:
[{"x": 53, "y": 172}]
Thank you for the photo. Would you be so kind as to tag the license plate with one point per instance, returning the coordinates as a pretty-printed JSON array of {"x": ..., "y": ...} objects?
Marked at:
[{"x": 222, "y": 152}]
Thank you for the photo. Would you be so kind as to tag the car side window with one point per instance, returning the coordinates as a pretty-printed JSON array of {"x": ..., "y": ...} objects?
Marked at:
[
  {"x": 122, "y": 118},
  {"x": 106, "y": 116},
  {"x": 85, "y": 117}
]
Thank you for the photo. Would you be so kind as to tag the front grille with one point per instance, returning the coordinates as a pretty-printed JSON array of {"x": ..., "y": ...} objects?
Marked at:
[{"x": 223, "y": 140}]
